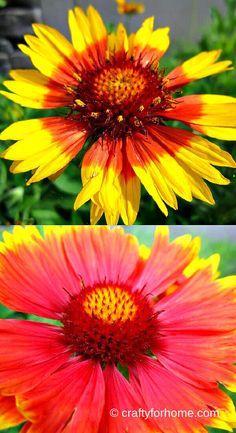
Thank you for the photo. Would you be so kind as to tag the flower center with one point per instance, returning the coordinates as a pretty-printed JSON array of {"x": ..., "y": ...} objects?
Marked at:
[
  {"x": 110, "y": 324},
  {"x": 119, "y": 86},
  {"x": 110, "y": 304},
  {"x": 120, "y": 98}
]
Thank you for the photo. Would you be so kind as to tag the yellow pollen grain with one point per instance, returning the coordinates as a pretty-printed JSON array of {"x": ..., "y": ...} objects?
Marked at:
[
  {"x": 120, "y": 118},
  {"x": 80, "y": 103},
  {"x": 94, "y": 114},
  {"x": 141, "y": 108},
  {"x": 111, "y": 304},
  {"x": 157, "y": 100},
  {"x": 69, "y": 89}
]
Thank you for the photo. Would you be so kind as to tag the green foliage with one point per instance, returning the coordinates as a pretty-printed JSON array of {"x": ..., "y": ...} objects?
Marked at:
[
  {"x": 12, "y": 430},
  {"x": 3, "y": 3}
]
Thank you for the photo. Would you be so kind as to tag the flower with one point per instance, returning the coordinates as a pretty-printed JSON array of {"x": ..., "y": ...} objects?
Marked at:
[
  {"x": 118, "y": 100},
  {"x": 138, "y": 328},
  {"x": 129, "y": 8}
]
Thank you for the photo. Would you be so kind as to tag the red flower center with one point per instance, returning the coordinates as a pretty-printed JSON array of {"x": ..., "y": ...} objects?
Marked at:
[
  {"x": 110, "y": 324},
  {"x": 120, "y": 97}
]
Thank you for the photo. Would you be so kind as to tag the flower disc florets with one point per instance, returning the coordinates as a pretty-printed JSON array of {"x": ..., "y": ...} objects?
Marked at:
[
  {"x": 121, "y": 97},
  {"x": 110, "y": 324}
]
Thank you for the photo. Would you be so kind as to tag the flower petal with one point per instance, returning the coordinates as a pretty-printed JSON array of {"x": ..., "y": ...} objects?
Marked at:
[
  {"x": 182, "y": 315},
  {"x": 39, "y": 350},
  {"x": 202, "y": 289},
  {"x": 118, "y": 42},
  {"x": 98, "y": 31},
  {"x": 148, "y": 45},
  {"x": 109, "y": 194},
  {"x": 200, "y": 66},
  {"x": 96, "y": 213},
  {"x": 130, "y": 193},
  {"x": 93, "y": 171},
  {"x": 70, "y": 400},
  {"x": 52, "y": 54},
  {"x": 56, "y": 142},
  {"x": 9, "y": 415},
  {"x": 212, "y": 114},
  {"x": 89, "y": 35},
  {"x": 147, "y": 172},
  {"x": 113, "y": 256},
  {"x": 119, "y": 192},
  {"x": 31, "y": 89},
  {"x": 194, "y": 153},
  {"x": 167, "y": 261},
  {"x": 121, "y": 396},
  {"x": 27, "y": 262},
  {"x": 30, "y": 279},
  {"x": 155, "y": 381},
  {"x": 158, "y": 170}
]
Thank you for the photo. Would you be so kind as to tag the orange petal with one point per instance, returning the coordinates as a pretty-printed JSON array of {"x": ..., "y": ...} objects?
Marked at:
[{"x": 200, "y": 66}]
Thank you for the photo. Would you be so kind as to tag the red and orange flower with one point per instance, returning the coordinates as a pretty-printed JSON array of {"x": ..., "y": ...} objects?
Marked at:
[
  {"x": 138, "y": 328},
  {"x": 119, "y": 101}
]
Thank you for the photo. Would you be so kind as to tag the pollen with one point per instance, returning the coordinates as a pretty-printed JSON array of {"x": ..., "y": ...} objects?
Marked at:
[
  {"x": 141, "y": 108},
  {"x": 110, "y": 304},
  {"x": 94, "y": 114},
  {"x": 157, "y": 100},
  {"x": 80, "y": 103}
]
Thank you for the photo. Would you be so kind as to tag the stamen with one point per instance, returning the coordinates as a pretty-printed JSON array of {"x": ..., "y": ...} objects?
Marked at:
[
  {"x": 80, "y": 103},
  {"x": 121, "y": 97},
  {"x": 77, "y": 77},
  {"x": 156, "y": 100}
]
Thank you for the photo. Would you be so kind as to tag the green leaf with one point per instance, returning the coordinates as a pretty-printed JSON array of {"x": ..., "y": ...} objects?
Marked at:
[
  {"x": 43, "y": 320},
  {"x": 46, "y": 216},
  {"x": 3, "y": 177},
  {"x": 67, "y": 184},
  {"x": 12, "y": 430},
  {"x": 5, "y": 312}
]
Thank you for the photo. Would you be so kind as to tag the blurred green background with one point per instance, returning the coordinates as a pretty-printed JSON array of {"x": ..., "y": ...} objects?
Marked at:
[
  {"x": 214, "y": 240},
  {"x": 52, "y": 202}
]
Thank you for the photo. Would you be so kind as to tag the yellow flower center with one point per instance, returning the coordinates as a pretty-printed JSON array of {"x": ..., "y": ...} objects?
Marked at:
[
  {"x": 111, "y": 304},
  {"x": 119, "y": 84}
]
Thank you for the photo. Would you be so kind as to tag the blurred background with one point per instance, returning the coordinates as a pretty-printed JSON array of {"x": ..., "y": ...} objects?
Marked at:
[
  {"x": 196, "y": 25},
  {"x": 218, "y": 239}
]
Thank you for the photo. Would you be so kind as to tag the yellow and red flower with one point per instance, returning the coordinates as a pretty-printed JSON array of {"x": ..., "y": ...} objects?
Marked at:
[
  {"x": 129, "y": 8},
  {"x": 119, "y": 101},
  {"x": 139, "y": 328}
]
